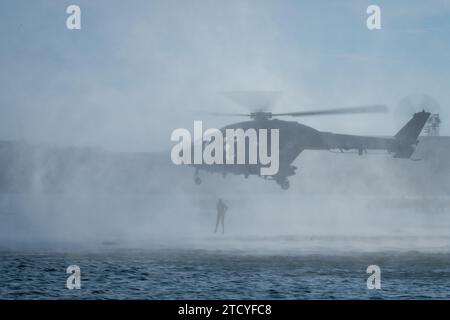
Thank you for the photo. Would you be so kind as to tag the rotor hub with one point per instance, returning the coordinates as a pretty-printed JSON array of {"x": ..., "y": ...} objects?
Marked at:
[{"x": 261, "y": 115}]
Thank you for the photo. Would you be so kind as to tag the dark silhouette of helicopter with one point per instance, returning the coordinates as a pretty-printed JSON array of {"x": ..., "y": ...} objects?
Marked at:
[{"x": 295, "y": 137}]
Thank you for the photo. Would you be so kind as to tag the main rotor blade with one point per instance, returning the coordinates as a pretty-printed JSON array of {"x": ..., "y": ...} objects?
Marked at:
[
  {"x": 224, "y": 114},
  {"x": 349, "y": 110}
]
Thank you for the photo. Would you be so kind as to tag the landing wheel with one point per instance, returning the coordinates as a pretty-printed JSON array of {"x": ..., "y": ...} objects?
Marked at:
[{"x": 285, "y": 184}]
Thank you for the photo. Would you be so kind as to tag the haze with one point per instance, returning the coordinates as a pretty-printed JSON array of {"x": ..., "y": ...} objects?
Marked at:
[{"x": 136, "y": 71}]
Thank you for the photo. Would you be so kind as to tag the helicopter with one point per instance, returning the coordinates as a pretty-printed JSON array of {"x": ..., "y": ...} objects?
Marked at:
[{"x": 295, "y": 137}]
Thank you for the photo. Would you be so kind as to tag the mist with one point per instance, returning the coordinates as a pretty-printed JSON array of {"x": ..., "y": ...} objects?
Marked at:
[{"x": 86, "y": 118}]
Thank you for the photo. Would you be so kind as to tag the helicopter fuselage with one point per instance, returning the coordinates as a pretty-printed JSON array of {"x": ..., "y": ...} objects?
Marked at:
[{"x": 295, "y": 137}]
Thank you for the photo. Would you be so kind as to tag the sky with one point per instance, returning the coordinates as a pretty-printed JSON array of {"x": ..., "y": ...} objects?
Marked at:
[{"x": 139, "y": 69}]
